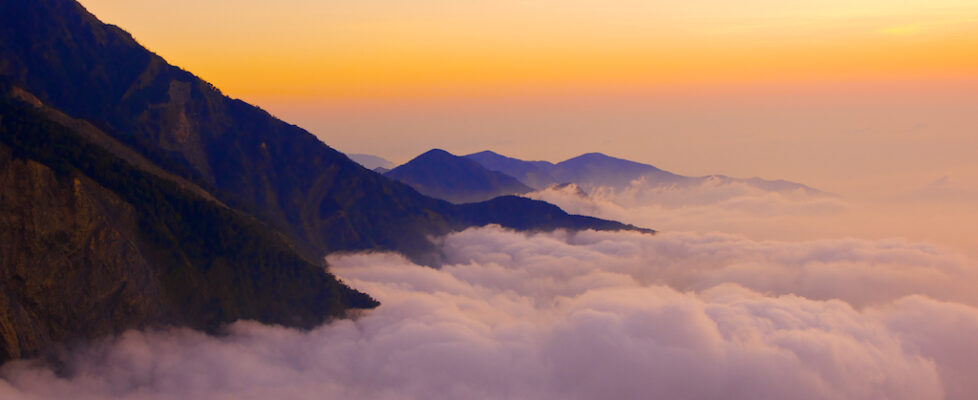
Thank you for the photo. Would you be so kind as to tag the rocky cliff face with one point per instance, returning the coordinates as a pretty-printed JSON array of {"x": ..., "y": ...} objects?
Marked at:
[
  {"x": 91, "y": 244},
  {"x": 70, "y": 262}
]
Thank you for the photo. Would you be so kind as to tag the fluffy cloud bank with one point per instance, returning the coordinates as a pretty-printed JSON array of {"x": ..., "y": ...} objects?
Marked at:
[{"x": 582, "y": 316}]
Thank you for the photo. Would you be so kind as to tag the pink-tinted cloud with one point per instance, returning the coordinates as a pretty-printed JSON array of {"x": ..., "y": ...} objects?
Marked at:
[{"x": 587, "y": 315}]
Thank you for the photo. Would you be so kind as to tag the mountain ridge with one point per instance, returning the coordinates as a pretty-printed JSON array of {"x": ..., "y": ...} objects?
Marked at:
[
  {"x": 597, "y": 169},
  {"x": 440, "y": 174}
]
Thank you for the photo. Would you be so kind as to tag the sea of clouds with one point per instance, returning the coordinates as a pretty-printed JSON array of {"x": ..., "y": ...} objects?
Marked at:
[
  {"x": 589, "y": 315},
  {"x": 586, "y": 315}
]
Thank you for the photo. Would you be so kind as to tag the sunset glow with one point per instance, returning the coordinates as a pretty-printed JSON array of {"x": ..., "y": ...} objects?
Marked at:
[
  {"x": 503, "y": 199},
  {"x": 392, "y": 48},
  {"x": 675, "y": 84}
]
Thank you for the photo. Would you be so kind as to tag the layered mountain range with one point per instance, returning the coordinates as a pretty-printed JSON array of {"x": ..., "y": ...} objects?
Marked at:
[
  {"x": 438, "y": 173},
  {"x": 134, "y": 194},
  {"x": 599, "y": 170},
  {"x": 485, "y": 175}
]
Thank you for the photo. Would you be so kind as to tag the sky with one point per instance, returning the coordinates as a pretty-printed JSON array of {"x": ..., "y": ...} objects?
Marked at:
[
  {"x": 854, "y": 97},
  {"x": 381, "y": 48},
  {"x": 863, "y": 293}
]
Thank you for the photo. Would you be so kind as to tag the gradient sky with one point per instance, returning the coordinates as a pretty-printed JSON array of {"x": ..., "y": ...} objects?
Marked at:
[
  {"x": 844, "y": 95},
  {"x": 743, "y": 293},
  {"x": 373, "y": 48}
]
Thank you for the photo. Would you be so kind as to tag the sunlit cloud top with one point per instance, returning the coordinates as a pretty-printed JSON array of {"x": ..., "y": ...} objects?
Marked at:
[{"x": 372, "y": 48}]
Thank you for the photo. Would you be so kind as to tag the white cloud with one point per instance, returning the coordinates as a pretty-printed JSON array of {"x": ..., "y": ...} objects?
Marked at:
[{"x": 587, "y": 315}]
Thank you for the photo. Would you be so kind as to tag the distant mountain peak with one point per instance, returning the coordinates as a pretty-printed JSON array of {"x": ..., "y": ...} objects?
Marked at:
[
  {"x": 441, "y": 174},
  {"x": 596, "y": 169},
  {"x": 601, "y": 157},
  {"x": 435, "y": 155},
  {"x": 594, "y": 154},
  {"x": 436, "y": 152},
  {"x": 486, "y": 152}
]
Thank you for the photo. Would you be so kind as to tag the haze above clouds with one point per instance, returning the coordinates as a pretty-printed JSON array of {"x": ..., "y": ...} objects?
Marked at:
[{"x": 940, "y": 213}]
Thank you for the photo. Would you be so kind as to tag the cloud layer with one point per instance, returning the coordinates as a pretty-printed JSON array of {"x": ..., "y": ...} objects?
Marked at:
[
  {"x": 943, "y": 216},
  {"x": 582, "y": 316}
]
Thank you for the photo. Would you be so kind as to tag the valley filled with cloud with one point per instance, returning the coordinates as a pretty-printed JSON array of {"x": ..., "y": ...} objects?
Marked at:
[{"x": 582, "y": 315}]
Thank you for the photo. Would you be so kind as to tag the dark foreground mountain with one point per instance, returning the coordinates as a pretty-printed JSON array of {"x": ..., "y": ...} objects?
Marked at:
[
  {"x": 92, "y": 244},
  {"x": 438, "y": 173},
  {"x": 136, "y": 194},
  {"x": 596, "y": 170}
]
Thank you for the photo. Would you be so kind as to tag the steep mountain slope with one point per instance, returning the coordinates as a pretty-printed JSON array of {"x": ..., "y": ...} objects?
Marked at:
[
  {"x": 134, "y": 194},
  {"x": 70, "y": 269},
  {"x": 438, "y": 173},
  {"x": 595, "y": 170},
  {"x": 91, "y": 244},
  {"x": 247, "y": 158}
]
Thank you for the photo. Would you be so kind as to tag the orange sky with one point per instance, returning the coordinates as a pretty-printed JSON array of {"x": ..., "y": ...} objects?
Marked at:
[
  {"x": 870, "y": 99},
  {"x": 396, "y": 48},
  {"x": 848, "y": 96}
]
